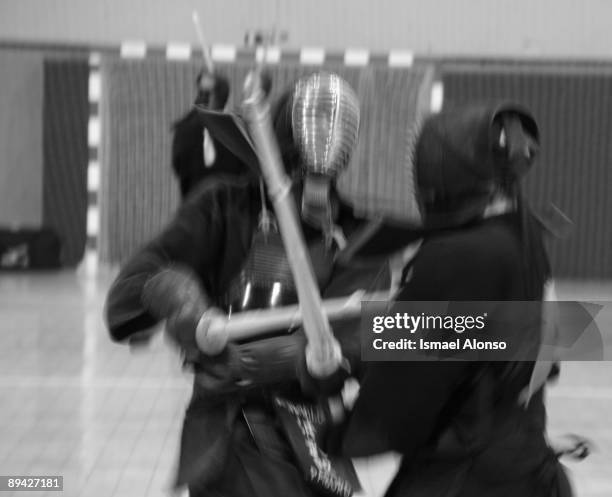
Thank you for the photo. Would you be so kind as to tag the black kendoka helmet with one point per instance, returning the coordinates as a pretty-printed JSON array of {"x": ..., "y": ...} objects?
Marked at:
[
  {"x": 213, "y": 90},
  {"x": 464, "y": 155}
]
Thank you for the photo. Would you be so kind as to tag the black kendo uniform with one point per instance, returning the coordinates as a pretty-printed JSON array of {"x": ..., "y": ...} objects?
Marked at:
[
  {"x": 188, "y": 158},
  {"x": 232, "y": 443},
  {"x": 459, "y": 425}
]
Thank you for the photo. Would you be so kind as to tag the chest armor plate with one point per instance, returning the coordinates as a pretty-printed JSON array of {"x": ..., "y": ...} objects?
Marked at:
[{"x": 265, "y": 280}]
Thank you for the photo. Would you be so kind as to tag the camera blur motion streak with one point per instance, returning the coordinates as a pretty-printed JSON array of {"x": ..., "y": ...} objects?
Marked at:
[{"x": 324, "y": 102}]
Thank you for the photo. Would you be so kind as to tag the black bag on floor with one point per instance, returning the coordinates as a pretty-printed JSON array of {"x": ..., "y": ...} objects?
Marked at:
[{"x": 29, "y": 249}]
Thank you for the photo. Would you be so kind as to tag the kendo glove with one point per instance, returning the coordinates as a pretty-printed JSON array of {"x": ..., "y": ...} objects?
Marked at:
[
  {"x": 269, "y": 360},
  {"x": 175, "y": 295}
]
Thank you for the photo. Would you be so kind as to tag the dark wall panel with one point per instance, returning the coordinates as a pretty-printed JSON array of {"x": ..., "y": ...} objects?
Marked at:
[{"x": 65, "y": 153}]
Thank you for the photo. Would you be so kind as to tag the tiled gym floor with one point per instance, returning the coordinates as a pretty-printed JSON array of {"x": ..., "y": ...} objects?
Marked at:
[{"x": 73, "y": 403}]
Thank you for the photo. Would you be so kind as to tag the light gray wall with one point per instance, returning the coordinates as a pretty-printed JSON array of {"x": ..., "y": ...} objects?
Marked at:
[
  {"x": 551, "y": 28},
  {"x": 21, "y": 160}
]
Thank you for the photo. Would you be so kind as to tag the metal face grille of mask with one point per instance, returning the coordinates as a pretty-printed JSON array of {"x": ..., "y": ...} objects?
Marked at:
[{"x": 325, "y": 123}]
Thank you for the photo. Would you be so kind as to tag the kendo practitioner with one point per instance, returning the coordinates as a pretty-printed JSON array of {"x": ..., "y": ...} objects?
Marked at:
[
  {"x": 459, "y": 425},
  {"x": 196, "y": 154},
  {"x": 222, "y": 254}
]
